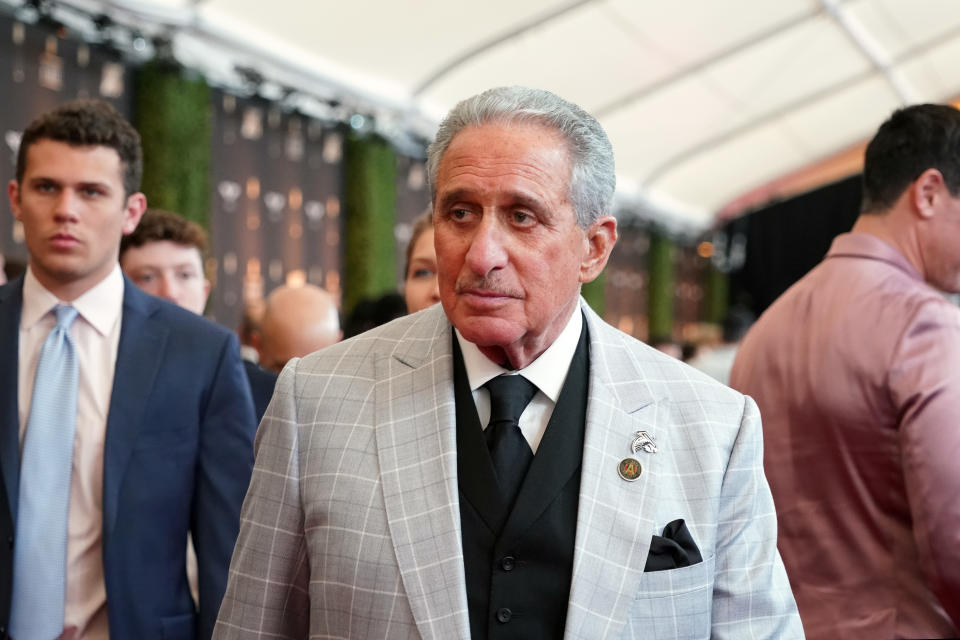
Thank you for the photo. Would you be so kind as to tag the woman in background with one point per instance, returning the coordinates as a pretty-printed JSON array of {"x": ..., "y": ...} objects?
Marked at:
[{"x": 420, "y": 276}]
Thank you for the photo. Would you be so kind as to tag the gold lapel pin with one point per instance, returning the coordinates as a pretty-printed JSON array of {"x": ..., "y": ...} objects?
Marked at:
[{"x": 629, "y": 469}]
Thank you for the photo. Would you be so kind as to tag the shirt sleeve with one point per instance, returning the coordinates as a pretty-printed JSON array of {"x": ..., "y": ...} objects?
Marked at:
[
  {"x": 925, "y": 387},
  {"x": 267, "y": 591}
]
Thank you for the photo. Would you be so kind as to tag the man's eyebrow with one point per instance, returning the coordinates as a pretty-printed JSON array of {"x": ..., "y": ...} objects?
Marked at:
[
  {"x": 515, "y": 199},
  {"x": 453, "y": 196},
  {"x": 82, "y": 183},
  {"x": 526, "y": 201}
]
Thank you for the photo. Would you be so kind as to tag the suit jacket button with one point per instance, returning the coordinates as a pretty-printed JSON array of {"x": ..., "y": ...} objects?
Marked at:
[
  {"x": 504, "y": 615},
  {"x": 10, "y": 542},
  {"x": 507, "y": 563}
]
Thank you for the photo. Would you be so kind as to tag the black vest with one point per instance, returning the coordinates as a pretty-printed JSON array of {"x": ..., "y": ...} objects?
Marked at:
[{"x": 519, "y": 563}]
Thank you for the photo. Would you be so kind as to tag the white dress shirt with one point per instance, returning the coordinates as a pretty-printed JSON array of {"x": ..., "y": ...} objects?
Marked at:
[
  {"x": 548, "y": 372},
  {"x": 96, "y": 335}
]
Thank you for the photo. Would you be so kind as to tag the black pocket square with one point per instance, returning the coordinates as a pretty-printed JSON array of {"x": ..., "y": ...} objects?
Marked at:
[{"x": 674, "y": 549}]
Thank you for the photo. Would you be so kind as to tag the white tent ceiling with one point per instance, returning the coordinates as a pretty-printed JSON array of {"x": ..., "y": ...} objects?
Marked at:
[{"x": 703, "y": 100}]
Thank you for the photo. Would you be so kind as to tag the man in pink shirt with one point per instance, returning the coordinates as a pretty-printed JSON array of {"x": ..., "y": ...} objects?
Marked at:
[{"x": 856, "y": 369}]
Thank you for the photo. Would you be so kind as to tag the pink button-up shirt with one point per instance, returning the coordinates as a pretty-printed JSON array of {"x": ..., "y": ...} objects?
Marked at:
[{"x": 856, "y": 369}]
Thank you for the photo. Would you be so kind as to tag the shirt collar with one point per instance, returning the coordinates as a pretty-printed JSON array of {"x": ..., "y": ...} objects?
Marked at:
[
  {"x": 100, "y": 306},
  {"x": 548, "y": 372},
  {"x": 867, "y": 245}
]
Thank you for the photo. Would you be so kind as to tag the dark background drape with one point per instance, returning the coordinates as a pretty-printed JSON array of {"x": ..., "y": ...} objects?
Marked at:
[
  {"x": 275, "y": 211},
  {"x": 786, "y": 239}
]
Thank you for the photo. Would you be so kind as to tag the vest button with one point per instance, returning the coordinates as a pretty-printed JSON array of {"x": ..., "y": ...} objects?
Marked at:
[
  {"x": 504, "y": 615},
  {"x": 507, "y": 563}
]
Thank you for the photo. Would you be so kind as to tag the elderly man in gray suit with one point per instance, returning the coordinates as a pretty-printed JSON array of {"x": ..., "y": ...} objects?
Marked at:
[{"x": 505, "y": 464}]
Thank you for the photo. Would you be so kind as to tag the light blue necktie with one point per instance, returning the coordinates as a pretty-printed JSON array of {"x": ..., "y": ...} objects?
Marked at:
[{"x": 40, "y": 546}]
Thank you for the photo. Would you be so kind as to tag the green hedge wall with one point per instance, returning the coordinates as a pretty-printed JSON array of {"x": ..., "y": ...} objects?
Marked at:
[
  {"x": 370, "y": 209},
  {"x": 718, "y": 293},
  {"x": 173, "y": 117},
  {"x": 661, "y": 273}
]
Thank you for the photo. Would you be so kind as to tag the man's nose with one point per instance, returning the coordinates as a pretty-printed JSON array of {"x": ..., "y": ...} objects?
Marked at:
[
  {"x": 487, "y": 251},
  {"x": 66, "y": 205},
  {"x": 168, "y": 288}
]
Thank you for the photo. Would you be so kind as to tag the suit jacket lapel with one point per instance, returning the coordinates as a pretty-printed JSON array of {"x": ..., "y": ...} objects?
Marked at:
[
  {"x": 139, "y": 355},
  {"x": 416, "y": 444},
  {"x": 11, "y": 303},
  {"x": 616, "y": 518}
]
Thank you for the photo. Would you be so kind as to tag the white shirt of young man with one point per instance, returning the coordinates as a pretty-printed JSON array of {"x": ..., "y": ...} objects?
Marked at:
[
  {"x": 548, "y": 372},
  {"x": 96, "y": 335}
]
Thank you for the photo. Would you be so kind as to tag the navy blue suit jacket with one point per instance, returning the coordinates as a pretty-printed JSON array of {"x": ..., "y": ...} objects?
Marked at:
[
  {"x": 177, "y": 457},
  {"x": 262, "y": 383}
]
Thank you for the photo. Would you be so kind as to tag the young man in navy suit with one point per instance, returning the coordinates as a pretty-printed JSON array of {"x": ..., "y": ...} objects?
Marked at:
[{"x": 163, "y": 433}]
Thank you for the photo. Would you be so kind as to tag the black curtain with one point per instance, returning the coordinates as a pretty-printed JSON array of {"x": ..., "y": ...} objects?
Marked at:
[{"x": 771, "y": 248}]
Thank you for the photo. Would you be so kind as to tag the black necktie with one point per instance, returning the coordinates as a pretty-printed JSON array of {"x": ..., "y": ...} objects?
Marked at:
[{"x": 509, "y": 450}]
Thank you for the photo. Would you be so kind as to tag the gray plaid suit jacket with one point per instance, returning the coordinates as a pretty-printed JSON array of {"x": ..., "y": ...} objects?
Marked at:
[{"x": 351, "y": 525}]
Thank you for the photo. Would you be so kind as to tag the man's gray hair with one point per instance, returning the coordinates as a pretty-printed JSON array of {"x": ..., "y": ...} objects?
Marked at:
[{"x": 592, "y": 179}]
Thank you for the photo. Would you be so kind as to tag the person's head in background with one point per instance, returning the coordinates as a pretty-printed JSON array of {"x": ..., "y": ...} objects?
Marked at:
[
  {"x": 911, "y": 190},
  {"x": 297, "y": 321},
  {"x": 420, "y": 275},
  {"x": 165, "y": 257},
  {"x": 76, "y": 193},
  {"x": 667, "y": 345},
  {"x": 373, "y": 312},
  {"x": 249, "y": 329}
]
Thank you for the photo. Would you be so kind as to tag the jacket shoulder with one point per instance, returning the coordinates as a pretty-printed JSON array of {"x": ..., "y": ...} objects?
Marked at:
[
  {"x": 411, "y": 338},
  {"x": 629, "y": 360}
]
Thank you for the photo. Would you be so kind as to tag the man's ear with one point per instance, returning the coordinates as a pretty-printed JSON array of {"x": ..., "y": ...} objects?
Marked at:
[
  {"x": 925, "y": 190},
  {"x": 601, "y": 235},
  {"x": 13, "y": 193},
  {"x": 133, "y": 211}
]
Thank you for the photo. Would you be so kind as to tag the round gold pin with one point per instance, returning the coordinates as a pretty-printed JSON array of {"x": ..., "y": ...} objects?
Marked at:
[{"x": 629, "y": 469}]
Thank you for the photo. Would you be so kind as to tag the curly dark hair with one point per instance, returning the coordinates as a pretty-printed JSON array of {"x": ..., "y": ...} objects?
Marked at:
[
  {"x": 157, "y": 225},
  {"x": 84, "y": 123}
]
